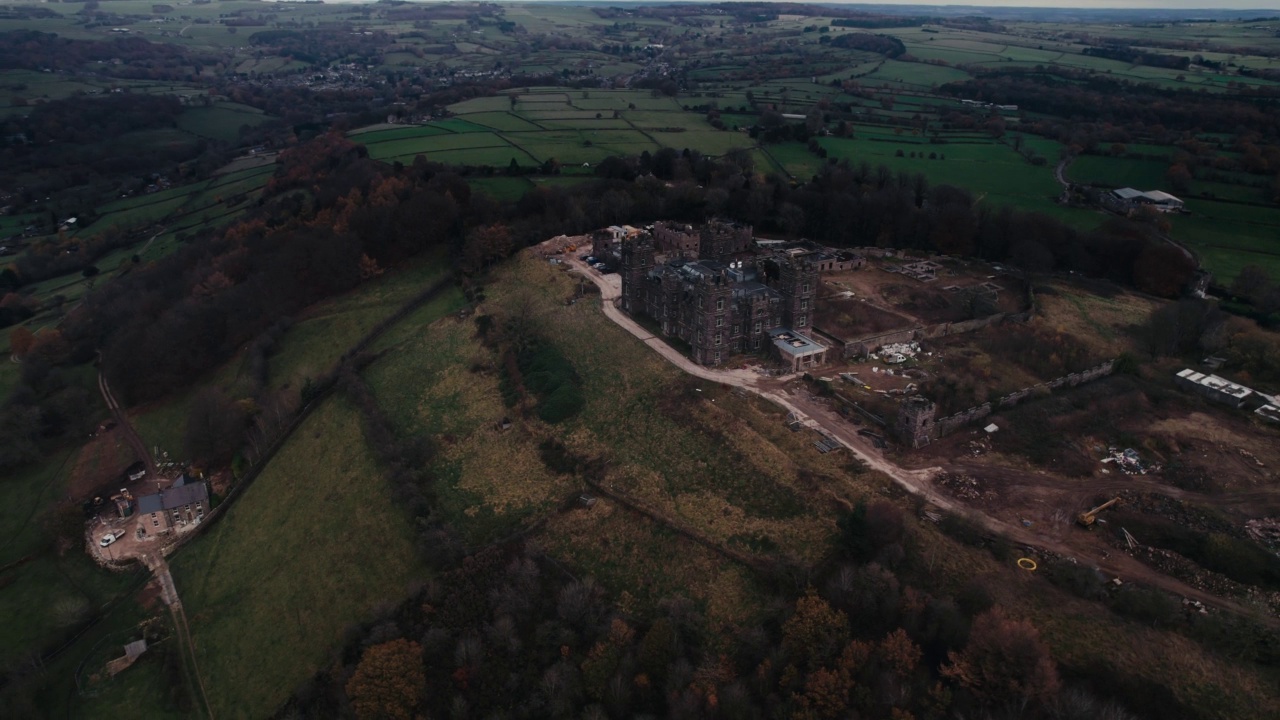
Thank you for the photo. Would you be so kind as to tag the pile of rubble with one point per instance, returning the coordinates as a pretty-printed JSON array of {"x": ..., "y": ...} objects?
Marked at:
[
  {"x": 965, "y": 487},
  {"x": 896, "y": 353},
  {"x": 1174, "y": 565},
  {"x": 1129, "y": 462},
  {"x": 1265, "y": 531},
  {"x": 978, "y": 447}
]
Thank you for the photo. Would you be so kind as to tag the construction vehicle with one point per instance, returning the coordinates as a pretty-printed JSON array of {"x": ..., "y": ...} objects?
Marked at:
[{"x": 1089, "y": 517}]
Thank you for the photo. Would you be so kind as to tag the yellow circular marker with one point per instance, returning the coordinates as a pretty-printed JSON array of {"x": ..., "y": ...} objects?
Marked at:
[{"x": 1027, "y": 564}]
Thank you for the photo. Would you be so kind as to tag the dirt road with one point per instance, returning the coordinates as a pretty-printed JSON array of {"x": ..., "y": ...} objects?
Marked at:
[
  {"x": 182, "y": 630},
  {"x": 817, "y": 414},
  {"x": 122, "y": 420}
]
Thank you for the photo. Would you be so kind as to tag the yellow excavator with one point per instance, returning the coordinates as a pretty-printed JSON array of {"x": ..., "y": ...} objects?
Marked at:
[{"x": 1089, "y": 517}]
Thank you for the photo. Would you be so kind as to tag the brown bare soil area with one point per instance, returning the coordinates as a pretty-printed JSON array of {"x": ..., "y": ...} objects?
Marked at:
[
  {"x": 1205, "y": 473},
  {"x": 99, "y": 465},
  {"x": 852, "y": 317},
  {"x": 883, "y": 301}
]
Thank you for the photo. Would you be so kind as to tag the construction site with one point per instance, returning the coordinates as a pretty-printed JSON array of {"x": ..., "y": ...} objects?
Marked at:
[{"x": 986, "y": 395}]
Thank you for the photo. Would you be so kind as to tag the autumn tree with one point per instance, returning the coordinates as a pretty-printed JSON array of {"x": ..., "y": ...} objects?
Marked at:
[
  {"x": 603, "y": 658},
  {"x": 1004, "y": 660},
  {"x": 815, "y": 632},
  {"x": 1162, "y": 269},
  {"x": 485, "y": 246},
  {"x": 389, "y": 682},
  {"x": 20, "y": 340}
]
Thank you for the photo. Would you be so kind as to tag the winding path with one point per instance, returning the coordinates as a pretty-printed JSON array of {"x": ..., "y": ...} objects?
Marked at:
[
  {"x": 130, "y": 435},
  {"x": 818, "y": 415}
]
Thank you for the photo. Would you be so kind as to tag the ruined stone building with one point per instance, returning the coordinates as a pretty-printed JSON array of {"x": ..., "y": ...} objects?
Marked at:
[{"x": 730, "y": 300}]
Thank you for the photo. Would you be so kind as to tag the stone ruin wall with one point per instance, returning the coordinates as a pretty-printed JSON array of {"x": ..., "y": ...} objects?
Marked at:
[
  {"x": 947, "y": 425},
  {"x": 863, "y": 346}
]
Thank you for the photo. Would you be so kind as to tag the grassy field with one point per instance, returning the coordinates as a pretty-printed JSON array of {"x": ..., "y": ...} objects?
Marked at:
[
  {"x": 1227, "y": 236},
  {"x": 220, "y": 121},
  {"x": 316, "y": 341},
  {"x": 313, "y": 546},
  {"x": 710, "y": 460},
  {"x": 47, "y": 591},
  {"x": 987, "y": 168}
]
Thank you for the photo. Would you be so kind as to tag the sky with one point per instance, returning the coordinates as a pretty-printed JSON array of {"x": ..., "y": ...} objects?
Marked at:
[
  {"x": 1125, "y": 4},
  {"x": 1065, "y": 4}
]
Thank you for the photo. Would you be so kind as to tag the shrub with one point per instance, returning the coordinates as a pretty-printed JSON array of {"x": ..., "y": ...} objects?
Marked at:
[{"x": 1146, "y": 606}]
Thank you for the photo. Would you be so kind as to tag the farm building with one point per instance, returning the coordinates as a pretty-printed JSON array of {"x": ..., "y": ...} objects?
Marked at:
[
  {"x": 1160, "y": 200},
  {"x": 178, "y": 506},
  {"x": 731, "y": 300},
  {"x": 1269, "y": 412},
  {"x": 1213, "y": 387}
]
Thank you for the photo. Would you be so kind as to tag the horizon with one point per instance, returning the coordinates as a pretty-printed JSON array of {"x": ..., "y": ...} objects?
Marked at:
[{"x": 1182, "y": 6}]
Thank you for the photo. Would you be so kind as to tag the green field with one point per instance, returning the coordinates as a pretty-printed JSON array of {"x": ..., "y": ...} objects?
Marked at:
[
  {"x": 47, "y": 594},
  {"x": 313, "y": 546},
  {"x": 315, "y": 342},
  {"x": 221, "y": 121}
]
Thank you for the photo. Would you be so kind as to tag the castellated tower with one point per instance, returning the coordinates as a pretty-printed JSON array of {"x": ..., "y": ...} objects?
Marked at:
[
  {"x": 710, "y": 320},
  {"x": 719, "y": 240},
  {"x": 637, "y": 261},
  {"x": 915, "y": 421},
  {"x": 798, "y": 282}
]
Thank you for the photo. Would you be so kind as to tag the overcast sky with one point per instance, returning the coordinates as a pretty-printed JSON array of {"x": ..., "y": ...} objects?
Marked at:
[{"x": 1143, "y": 4}]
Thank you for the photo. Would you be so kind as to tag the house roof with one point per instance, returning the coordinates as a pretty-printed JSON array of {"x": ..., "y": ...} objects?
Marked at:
[
  {"x": 150, "y": 503},
  {"x": 192, "y": 492},
  {"x": 748, "y": 288},
  {"x": 1127, "y": 193},
  {"x": 174, "y": 497},
  {"x": 1160, "y": 196}
]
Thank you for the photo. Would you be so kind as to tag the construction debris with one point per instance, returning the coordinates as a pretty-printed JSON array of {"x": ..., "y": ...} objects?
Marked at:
[
  {"x": 1129, "y": 461},
  {"x": 826, "y": 444},
  {"x": 966, "y": 487},
  {"x": 896, "y": 353},
  {"x": 1265, "y": 531}
]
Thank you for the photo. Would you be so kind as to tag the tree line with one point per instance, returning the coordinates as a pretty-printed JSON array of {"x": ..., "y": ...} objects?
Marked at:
[{"x": 508, "y": 632}]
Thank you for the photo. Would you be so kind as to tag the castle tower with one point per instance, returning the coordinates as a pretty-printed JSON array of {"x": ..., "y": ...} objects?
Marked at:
[
  {"x": 711, "y": 326},
  {"x": 798, "y": 282},
  {"x": 914, "y": 425},
  {"x": 719, "y": 240},
  {"x": 637, "y": 261}
]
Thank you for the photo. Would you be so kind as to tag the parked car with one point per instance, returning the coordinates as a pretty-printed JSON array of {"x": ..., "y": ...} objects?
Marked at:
[{"x": 109, "y": 538}]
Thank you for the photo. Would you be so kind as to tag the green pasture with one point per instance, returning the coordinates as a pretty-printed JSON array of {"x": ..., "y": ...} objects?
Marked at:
[
  {"x": 314, "y": 545},
  {"x": 1229, "y": 236},
  {"x": 315, "y": 342},
  {"x": 46, "y": 594},
  {"x": 991, "y": 170},
  {"x": 1107, "y": 171},
  {"x": 221, "y": 121}
]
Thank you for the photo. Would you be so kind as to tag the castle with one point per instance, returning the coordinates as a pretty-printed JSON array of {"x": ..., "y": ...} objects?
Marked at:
[{"x": 729, "y": 299}]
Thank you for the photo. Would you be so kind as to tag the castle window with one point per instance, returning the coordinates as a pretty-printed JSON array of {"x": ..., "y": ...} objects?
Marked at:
[
  {"x": 757, "y": 326},
  {"x": 804, "y": 304},
  {"x": 719, "y": 321},
  {"x": 717, "y": 356},
  {"x": 801, "y": 320},
  {"x": 701, "y": 304},
  {"x": 720, "y": 304},
  {"x": 717, "y": 338},
  {"x": 756, "y": 343},
  {"x": 805, "y": 288}
]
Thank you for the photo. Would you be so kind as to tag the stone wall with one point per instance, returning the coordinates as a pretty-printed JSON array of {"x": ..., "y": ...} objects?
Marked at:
[
  {"x": 947, "y": 425},
  {"x": 862, "y": 346}
]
